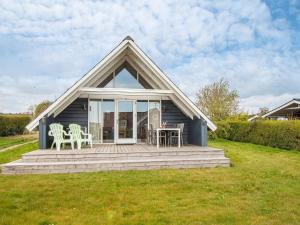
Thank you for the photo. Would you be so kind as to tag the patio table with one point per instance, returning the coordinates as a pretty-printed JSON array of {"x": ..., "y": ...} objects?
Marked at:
[{"x": 167, "y": 129}]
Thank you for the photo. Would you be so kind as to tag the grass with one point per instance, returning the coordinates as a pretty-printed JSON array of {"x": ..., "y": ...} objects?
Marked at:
[
  {"x": 14, "y": 140},
  {"x": 15, "y": 153},
  {"x": 261, "y": 187}
]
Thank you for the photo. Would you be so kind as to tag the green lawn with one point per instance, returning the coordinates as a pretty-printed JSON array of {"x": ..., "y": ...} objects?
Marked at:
[
  {"x": 15, "y": 153},
  {"x": 261, "y": 187},
  {"x": 14, "y": 140}
]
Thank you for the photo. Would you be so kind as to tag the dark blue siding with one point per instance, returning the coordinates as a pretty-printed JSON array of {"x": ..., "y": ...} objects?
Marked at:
[
  {"x": 173, "y": 115},
  {"x": 43, "y": 133},
  {"x": 76, "y": 112},
  {"x": 195, "y": 131},
  {"x": 198, "y": 132}
]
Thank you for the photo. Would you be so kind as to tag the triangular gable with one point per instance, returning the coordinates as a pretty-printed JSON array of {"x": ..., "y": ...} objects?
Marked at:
[{"x": 72, "y": 93}]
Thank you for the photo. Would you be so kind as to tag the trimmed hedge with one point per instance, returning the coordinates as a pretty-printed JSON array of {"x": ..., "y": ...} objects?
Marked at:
[
  {"x": 13, "y": 124},
  {"x": 280, "y": 134}
]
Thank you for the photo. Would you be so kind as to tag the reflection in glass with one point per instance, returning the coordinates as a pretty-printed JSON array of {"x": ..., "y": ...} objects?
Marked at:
[
  {"x": 125, "y": 77},
  {"x": 125, "y": 119},
  {"x": 142, "y": 120},
  {"x": 154, "y": 114},
  {"x": 94, "y": 120},
  {"x": 108, "y": 113}
]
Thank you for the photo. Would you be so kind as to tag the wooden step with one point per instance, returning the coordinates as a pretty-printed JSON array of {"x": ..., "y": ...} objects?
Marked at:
[
  {"x": 21, "y": 167},
  {"x": 54, "y": 156}
]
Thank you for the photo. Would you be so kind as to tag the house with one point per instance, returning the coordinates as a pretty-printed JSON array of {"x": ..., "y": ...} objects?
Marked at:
[
  {"x": 120, "y": 97},
  {"x": 118, "y": 101},
  {"x": 287, "y": 111}
]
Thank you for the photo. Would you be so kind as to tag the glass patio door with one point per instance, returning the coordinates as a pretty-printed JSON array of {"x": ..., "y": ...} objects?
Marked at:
[
  {"x": 102, "y": 120},
  {"x": 126, "y": 122}
]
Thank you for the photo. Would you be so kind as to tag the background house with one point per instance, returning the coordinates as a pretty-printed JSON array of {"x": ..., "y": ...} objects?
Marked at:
[{"x": 287, "y": 111}]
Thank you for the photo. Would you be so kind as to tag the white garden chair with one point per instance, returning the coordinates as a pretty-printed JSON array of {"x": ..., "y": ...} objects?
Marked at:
[
  {"x": 58, "y": 134},
  {"x": 79, "y": 136}
]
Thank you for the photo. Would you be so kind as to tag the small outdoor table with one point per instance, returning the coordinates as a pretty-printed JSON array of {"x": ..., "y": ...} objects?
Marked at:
[{"x": 167, "y": 129}]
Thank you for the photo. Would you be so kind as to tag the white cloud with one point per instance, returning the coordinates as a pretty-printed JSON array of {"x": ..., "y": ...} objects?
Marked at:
[
  {"x": 240, "y": 33},
  {"x": 57, "y": 42},
  {"x": 252, "y": 72},
  {"x": 22, "y": 90}
]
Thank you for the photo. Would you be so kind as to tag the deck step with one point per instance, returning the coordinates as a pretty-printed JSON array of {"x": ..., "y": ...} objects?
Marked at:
[
  {"x": 114, "y": 157},
  {"x": 21, "y": 167},
  {"x": 52, "y": 156}
]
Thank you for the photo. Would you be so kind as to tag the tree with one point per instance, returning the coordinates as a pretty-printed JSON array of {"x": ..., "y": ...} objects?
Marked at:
[
  {"x": 263, "y": 111},
  {"x": 217, "y": 100},
  {"x": 39, "y": 108}
]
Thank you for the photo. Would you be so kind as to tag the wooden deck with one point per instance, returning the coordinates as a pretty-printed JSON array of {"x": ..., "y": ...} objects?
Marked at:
[
  {"x": 113, "y": 148},
  {"x": 116, "y": 157}
]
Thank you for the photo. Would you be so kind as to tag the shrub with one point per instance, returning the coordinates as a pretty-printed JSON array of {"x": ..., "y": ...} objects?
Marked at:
[
  {"x": 281, "y": 134},
  {"x": 13, "y": 124}
]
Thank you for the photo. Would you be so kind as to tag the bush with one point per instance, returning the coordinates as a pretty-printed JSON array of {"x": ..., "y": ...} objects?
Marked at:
[
  {"x": 13, "y": 124},
  {"x": 281, "y": 134}
]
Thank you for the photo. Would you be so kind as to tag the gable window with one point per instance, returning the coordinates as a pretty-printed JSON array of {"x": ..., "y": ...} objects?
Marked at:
[{"x": 125, "y": 77}]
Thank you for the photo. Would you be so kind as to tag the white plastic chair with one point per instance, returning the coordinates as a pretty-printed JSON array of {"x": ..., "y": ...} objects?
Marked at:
[
  {"x": 58, "y": 134},
  {"x": 79, "y": 136}
]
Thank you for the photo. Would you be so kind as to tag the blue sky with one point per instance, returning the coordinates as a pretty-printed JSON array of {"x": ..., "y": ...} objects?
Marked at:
[{"x": 45, "y": 46}]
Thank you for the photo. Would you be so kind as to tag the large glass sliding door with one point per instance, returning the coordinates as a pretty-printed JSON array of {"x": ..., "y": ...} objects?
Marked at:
[
  {"x": 102, "y": 120},
  {"x": 132, "y": 119},
  {"x": 126, "y": 121}
]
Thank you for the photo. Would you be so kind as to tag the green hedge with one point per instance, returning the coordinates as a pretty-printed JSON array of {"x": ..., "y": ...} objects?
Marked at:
[
  {"x": 281, "y": 134},
  {"x": 13, "y": 124}
]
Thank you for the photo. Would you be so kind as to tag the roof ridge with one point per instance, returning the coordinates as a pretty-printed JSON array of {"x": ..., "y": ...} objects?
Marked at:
[{"x": 129, "y": 38}]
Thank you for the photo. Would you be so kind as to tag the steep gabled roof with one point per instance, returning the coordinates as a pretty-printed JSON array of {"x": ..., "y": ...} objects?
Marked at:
[{"x": 128, "y": 42}]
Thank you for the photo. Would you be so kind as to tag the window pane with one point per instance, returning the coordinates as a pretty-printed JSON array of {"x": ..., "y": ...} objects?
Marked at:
[
  {"x": 125, "y": 77},
  {"x": 108, "y": 113},
  {"x": 154, "y": 114},
  {"x": 142, "y": 120},
  {"x": 94, "y": 120},
  {"x": 125, "y": 119}
]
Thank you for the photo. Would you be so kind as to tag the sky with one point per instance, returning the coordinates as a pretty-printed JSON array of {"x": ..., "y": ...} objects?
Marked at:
[{"x": 45, "y": 46}]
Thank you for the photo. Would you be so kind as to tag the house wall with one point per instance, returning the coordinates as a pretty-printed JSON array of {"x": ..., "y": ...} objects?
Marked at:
[
  {"x": 173, "y": 115},
  {"x": 76, "y": 112},
  {"x": 195, "y": 131},
  {"x": 198, "y": 132}
]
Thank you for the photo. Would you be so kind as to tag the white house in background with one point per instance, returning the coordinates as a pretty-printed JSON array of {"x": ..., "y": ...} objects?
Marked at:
[
  {"x": 287, "y": 111},
  {"x": 120, "y": 98}
]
